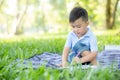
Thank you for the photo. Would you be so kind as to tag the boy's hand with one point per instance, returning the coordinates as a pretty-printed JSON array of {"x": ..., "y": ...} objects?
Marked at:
[
  {"x": 65, "y": 64},
  {"x": 62, "y": 65},
  {"x": 75, "y": 60}
]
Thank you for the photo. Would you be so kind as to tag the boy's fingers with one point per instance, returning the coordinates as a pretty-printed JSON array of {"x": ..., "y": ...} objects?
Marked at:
[
  {"x": 65, "y": 64},
  {"x": 60, "y": 65},
  {"x": 73, "y": 61},
  {"x": 77, "y": 59}
]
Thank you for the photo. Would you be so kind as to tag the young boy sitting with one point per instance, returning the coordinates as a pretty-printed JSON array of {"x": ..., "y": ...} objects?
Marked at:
[{"x": 80, "y": 41}]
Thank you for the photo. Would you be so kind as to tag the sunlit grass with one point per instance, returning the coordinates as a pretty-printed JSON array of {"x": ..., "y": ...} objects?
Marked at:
[{"x": 25, "y": 46}]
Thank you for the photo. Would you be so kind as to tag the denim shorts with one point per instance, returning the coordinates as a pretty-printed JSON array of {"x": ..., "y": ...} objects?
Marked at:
[
  {"x": 72, "y": 55},
  {"x": 78, "y": 49}
]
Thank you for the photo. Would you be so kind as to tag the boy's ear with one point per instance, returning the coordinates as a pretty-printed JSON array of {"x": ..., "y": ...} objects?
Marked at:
[{"x": 87, "y": 23}]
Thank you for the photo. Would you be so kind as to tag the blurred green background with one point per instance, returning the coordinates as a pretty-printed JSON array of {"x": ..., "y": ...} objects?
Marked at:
[{"x": 41, "y": 16}]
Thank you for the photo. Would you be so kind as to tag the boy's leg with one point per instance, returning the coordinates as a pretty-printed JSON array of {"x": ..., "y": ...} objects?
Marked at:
[
  {"x": 94, "y": 62},
  {"x": 85, "y": 53}
]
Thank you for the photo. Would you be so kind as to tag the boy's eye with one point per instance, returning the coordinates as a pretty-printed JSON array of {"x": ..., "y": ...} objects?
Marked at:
[
  {"x": 73, "y": 26},
  {"x": 78, "y": 26}
]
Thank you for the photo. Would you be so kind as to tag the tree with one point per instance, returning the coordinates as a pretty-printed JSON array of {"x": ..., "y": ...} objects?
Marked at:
[
  {"x": 111, "y": 13},
  {"x": 1, "y": 3},
  {"x": 17, "y": 24}
]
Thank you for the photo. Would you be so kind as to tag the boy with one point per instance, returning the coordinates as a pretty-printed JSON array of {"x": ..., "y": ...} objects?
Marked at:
[{"x": 80, "y": 40}]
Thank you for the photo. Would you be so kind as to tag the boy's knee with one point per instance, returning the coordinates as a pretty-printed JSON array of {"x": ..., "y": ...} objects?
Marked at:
[{"x": 85, "y": 53}]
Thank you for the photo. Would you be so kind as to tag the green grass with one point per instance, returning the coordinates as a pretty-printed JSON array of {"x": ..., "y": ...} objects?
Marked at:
[{"x": 24, "y": 47}]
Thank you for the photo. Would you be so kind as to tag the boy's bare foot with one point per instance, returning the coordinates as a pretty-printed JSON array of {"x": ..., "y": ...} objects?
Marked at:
[{"x": 94, "y": 62}]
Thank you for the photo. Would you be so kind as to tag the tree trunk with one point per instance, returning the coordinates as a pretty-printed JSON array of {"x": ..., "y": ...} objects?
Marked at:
[
  {"x": 1, "y": 3},
  {"x": 17, "y": 23},
  {"x": 110, "y": 14},
  {"x": 20, "y": 18},
  {"x": 114, "y": 13}
]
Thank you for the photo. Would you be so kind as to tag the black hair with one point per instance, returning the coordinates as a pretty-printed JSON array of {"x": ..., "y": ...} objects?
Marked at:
[{"x": 78, "y": 12}]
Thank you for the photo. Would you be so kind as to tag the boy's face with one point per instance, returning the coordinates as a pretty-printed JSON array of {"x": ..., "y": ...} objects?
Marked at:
[{"x": 79, "y": 27}]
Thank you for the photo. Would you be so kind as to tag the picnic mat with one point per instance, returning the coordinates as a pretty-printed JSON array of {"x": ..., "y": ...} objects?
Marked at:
[
  {"x": 105, "y": 58},
  {"x": 109, "y": 58},
  {"x": 47, "y": 59}
]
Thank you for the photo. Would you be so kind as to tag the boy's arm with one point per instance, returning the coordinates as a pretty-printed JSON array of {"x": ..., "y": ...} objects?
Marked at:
[{"x": 64, "y": 56}]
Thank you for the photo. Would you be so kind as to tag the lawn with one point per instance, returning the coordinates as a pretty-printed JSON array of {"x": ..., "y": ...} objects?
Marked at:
[{"x": 24, "y": 47}]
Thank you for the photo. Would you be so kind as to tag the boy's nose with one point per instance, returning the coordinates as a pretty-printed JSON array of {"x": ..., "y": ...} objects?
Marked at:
[{"x": 76, "y": 30}]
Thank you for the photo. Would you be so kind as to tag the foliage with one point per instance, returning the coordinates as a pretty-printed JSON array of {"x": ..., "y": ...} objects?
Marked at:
[{"x": 45, "y": 15}]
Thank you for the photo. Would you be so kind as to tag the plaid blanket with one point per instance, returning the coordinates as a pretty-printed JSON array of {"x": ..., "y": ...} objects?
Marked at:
[
  {"x": 106, "y": 58},
  {"x": 109, "y": 58},
  {"x": 47, "y": 59}
]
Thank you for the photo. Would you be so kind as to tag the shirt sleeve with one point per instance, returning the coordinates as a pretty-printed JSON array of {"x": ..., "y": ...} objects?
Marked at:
[
  {"x": 93, "y": 44},
  {"x": 68, "y": 41}
]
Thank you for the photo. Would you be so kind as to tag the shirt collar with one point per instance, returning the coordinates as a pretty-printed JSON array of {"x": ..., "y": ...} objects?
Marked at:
[{"x": 87, "y": 34}]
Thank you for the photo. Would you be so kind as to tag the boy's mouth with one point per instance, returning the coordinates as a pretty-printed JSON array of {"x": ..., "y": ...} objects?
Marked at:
[{"x": 78, "y": 33}]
